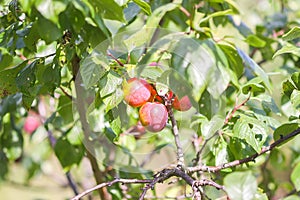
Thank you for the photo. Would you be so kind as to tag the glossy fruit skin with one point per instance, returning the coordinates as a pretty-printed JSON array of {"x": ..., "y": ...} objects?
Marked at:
[
  {"x": 153, "y": 116},
  {"x": 32, "y": 122},
  {"x": 183, "y": 104},
  {"x": 137, "y": 92}
]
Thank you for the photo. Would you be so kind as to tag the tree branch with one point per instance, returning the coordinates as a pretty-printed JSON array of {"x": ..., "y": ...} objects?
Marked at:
[
  {"x": 167, "y": 173},
  {"x": 99, "y": 176},
  {"x": 107, "y": 184},
  {"x": 245, "y": 160}
]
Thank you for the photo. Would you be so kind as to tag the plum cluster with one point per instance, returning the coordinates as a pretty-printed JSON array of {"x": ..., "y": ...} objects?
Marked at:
[{"x": 153, "y": 113}]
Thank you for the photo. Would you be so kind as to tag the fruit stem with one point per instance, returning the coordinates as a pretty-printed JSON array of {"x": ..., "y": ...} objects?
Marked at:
[{"x": 175, "y": 131}]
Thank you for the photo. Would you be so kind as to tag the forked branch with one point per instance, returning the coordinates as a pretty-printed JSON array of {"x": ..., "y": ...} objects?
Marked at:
[{"x": 245, "y": 160}]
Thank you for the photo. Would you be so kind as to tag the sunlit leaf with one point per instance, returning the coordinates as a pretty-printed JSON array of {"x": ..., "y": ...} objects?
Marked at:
[
  {"x": 255, "y": 68},
  {"x": 288, "y": 48},
  {"x": 296, "y": 79},
  {"x": 211, "y": 127},
  {"x": 93, "y": 68},
  {"x": 255, "y": 41},
  {"x": 144, "y": 6},
  {"x": 144, "y": 35},
  {"x": 295, "y": 177},
  {"x": 240, "y": 185},
  {"x": 294, "y": 33},
  {"x": 295, "y": 99}
]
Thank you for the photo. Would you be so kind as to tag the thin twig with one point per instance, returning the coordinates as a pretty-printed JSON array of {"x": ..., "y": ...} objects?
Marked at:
[
  {"x": 175, "y": 131},
  {"x": 245, "y": 160},
  {"x": 184, "y": 11},
  {"x": 198, "y": 156},
  {"x": 115, "y": 59},
  {"x": 66, "y": 93},
  {"x": 236, "y": 107},
  {"x": 107, "y": 184},
  {"x": 68, "y": 174},
  {"x": 71, "y": 182}
]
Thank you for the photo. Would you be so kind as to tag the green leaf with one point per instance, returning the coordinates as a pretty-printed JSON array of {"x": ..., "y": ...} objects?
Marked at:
[
  {"x": 110, "y": 83},
  {"x": 295, "y": 177},
  {"x": 255, "y": 68},
  {"x": 144, "y": 6},
  {"x": 49, "y": 77},
  {"x": 11, "y": 142},
  {"x": 5, "y": 59},
  {"x": 294, "y": 33},
  {"x": 205, "y": 64},
  {"x": 8, "y": 84},
  {"x": 208, "y": 104},
  {"x": 121, "y": 2},
  {"x": 47, "y": 30},
  {"x": 211, "y": 127},
  {"x": 175, "y": 82},
  {"x": 235, "y": 61},
  {"x": 221, "y": 153},
  {"x": 144, "y": 35},
  {"x": 26, "y": 78},
  {"x": 114, "y": 99},
  {"x": 131, "y": 11},
  {"x": 217, "y": 14},
  {"x": 71, "y": 19},
  {"x": 278, "y": 159},
  {"x": 251, "y": 130},
  {"x": 67, "y": 154},
  {"x": 260, "y": 195},
  {"x": 108, "y": 9},
  {"x": 240, "y": 185},
  {"x": 255, "y": 41},
  {"x": 288, "y": 88},
  {"x": 65, "y": 109},
  {"x": 32, "y": 37},
  {"x": 292, "y": 197},
  {"x": 4, "y": 165},
  {"x": 116, "y": 126},
  {"x": 269, "y": 104},
  {"x": 191, "y": 57},
  {"x": 93, "y": 68},
  {"x": 288, "y": 48},
  {"x": 296, "y": 79},
  {"x": 127, "y": 141},
  {"x": 284, "y": 130},
  {"x": 254, "y": 85},
  {"x": 295, "y": 99}
]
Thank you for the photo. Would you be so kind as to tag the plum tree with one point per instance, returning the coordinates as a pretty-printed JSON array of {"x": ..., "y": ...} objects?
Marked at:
[
  {"x": 153, "y": 116},
  {"x": 137, "y": 92},
  {"x": 182, "y": 104}
]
